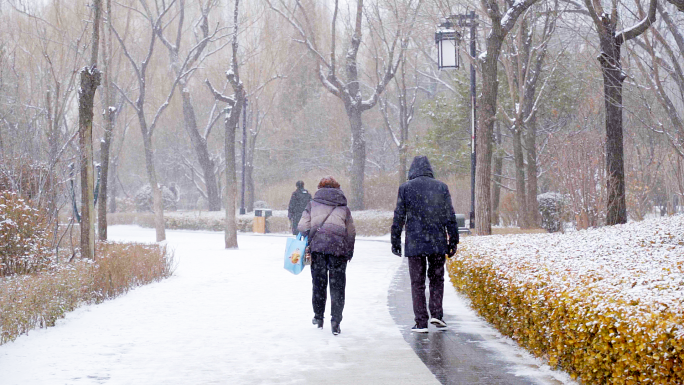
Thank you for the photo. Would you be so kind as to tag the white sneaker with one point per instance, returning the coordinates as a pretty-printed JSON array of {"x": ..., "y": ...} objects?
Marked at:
[
  {"x": 441, "y": 325},
  {"x": 417, "y": 329}
]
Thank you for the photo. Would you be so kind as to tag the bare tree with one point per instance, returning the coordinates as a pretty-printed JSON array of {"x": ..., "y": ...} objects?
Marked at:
[
  {"x": 501, "y": 25},
  {"x": 523, "y": 60},
  {"x": 90, "y": 80},
  {"x": 148, "y": 128},
  {"x": 610, "y": 43},
  {"x": 109, "y": 113},
  {"x": 659, "y": 60},
  {"x": 196, "y": 54},
  {"x": 233, "y": 110},
  {"x": 404, "y": 110},
  {"x": 349, "y": 87}
]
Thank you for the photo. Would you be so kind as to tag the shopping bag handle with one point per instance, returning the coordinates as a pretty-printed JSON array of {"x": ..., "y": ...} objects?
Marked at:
[{"x": 299, "y": 238}]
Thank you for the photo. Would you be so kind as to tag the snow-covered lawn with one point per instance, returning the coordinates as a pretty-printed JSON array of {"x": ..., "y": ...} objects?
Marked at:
[
  {"x": 607, "y": 303},
  {"x": 237, "y": 317}
]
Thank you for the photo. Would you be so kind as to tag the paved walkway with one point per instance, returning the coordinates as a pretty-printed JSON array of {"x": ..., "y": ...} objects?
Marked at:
[{"x": 461, "y": 355}]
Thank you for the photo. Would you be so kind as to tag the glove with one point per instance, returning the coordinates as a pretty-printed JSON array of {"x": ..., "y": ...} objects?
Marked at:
[
  {"x": 396, "y": 250},
  {"x": 452, "y": 250}
]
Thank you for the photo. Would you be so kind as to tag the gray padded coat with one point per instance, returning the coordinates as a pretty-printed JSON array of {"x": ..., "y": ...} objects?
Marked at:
[{"x": 337, "y": 235}]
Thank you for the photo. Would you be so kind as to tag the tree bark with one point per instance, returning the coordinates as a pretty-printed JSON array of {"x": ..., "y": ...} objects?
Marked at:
[
  {"x": 249, "y": 173},
  {"x": 113, "y": 191},
  {"x": 90, "y": 80},
  {"x": 498, "y": 169},
  {"x": 534, "y": 218},
  {"x": 230, "y": 234},
  {"x": 612, "y": 88},
  {"x": 520, "y": 193},
  {"x": 201, "y": 150},
  {"x": 105, "y": 144},
  {"x": 157, "y": 203},
  {"x": 486, "y": 117},
  {"x": 358, "y": 159}
]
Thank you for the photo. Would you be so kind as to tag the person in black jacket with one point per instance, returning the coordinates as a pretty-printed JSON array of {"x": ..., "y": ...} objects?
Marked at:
[
  {"x": 300, "y": 198},
  {"x": 424, "y": 206}
]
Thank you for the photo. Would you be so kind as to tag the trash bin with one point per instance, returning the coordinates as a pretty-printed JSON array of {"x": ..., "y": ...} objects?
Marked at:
[{"x": 260, "y": 223}]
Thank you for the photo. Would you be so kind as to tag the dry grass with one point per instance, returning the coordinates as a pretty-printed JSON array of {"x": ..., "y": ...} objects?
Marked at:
[{"x": 38, "y": 300}]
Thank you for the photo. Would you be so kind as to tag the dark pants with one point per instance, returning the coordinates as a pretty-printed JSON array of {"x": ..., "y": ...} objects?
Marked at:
[
  {"x": 322, "y": 267},
  {"x": 294, "y": 222},
  {"x": 435, "y": 273}
]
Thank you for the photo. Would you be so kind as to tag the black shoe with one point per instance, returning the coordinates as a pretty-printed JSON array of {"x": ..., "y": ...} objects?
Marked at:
[
  {"x": 318, "y": 322},
  {"x": 441, "y": 325},
  {"x": 419, "y": 329},
  {"x": 335, "y": 328}
]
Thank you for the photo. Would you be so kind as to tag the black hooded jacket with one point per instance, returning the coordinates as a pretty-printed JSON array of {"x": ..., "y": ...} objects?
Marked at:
[
  {"x": 298, "y": 201},
  {"x": 424, "y": 206}
]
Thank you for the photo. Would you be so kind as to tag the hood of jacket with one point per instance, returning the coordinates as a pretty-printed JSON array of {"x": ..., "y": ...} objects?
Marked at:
[
  {"x": 330, "y": 197},
  {"x": 420, "y": 167}
]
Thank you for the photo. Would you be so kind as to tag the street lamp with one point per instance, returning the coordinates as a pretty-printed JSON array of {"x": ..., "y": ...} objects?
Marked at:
[{"x": 447, "y": 39}]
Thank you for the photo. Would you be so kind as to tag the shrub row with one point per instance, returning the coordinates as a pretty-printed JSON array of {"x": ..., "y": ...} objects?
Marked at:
[
  {"x": 367, "y": 223},
  {"x": 597, "y": 337},
  {"x": 38, "y": 300}
]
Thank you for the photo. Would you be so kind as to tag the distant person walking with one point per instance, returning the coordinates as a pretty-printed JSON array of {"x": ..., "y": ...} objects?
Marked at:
[
  {"x": 424, "y": 206},
  {"x": 328, "y": 222},
  {"x": 300, "y": 198}
]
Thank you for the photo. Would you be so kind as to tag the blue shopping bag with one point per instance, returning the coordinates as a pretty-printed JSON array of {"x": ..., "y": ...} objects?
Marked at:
[{"x": 294, "y": 254}]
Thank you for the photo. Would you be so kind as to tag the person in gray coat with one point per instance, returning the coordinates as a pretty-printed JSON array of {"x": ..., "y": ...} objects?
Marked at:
[{"x": 328, "y": 223}]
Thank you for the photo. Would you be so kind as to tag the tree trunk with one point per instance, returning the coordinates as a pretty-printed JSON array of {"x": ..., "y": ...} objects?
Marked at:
[
  {"x": 157, "y": 203},
  {"x": 534, "y": 217},
  {"x": 358, "y": 159},
  {"x": 249, "y": 176},
  {"x": 486, "y": 118},
  {"x": 613, "y": 78},
  {"x": 231, "y": 179},
  {"x": 105, "y": 144},
  {"x": 202, "y": 152},
  {"x": 496, "y": 178},
  {"x": 520, "y": 196},
  {"x": 403, "y": 154},
  {"x": 113, "y": 191},
  {"x": 90, "y": 80}
]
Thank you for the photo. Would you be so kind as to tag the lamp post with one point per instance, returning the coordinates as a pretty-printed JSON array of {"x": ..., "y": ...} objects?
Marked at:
[
  {"x": 447, "y": 39},
  {"x": 244, "y": 152}
]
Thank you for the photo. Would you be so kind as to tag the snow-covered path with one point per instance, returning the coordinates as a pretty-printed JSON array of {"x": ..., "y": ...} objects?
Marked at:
[
  {"x": 237, "y": 317},
  {"x": 224, "y": 317}
]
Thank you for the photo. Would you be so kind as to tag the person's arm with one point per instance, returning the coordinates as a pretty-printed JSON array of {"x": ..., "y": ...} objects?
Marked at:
[
  {"x": 398, "y": 222},
  {"x": 451, "y": 224},
  {"x": 351, "y": 234},
  {"x": 304, "y": 225}
]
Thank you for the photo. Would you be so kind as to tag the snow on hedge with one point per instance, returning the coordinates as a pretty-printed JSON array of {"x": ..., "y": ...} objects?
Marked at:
[{"x": 636, "y": 269}]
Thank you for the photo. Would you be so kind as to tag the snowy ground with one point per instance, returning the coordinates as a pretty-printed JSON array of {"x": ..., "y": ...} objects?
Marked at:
[{"x": 237, "y": 317}]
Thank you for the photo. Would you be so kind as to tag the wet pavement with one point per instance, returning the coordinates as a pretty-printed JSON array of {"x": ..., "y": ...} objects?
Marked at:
[{"x": 453, "y": 356}]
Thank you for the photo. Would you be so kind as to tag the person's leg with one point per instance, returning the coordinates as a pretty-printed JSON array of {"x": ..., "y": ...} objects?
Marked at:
[
  {"x": 435, "y": 273},
  {"x": 417, "y": 273},
  {"x": 319, "y": 279},
  {"x": 338, "y": 282}
]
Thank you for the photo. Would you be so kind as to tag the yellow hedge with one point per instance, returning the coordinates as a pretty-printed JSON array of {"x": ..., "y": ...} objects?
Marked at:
[{"x": 600, "y": 340}]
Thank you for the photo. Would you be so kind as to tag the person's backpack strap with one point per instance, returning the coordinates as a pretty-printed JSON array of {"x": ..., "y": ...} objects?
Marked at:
[{"x": 313, "y": 231}]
